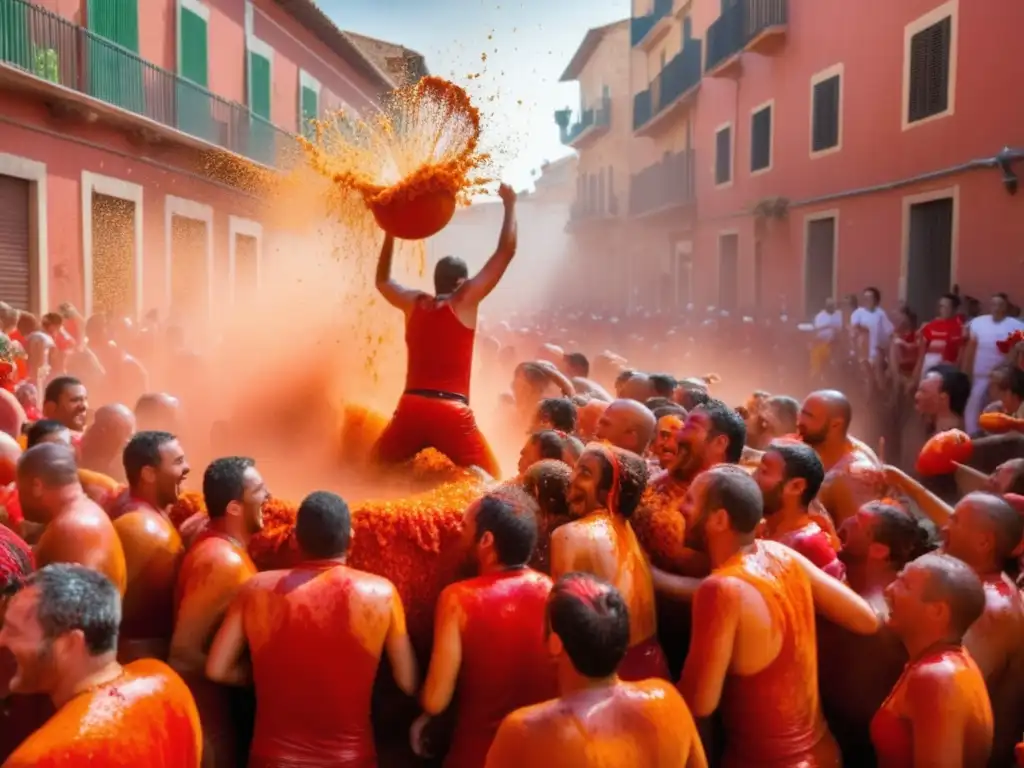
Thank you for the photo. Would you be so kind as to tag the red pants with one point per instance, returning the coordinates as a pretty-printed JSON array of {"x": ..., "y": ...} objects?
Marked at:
[
  {"x": 432, "y": 422},
  {"x": 644, "y": 661}
]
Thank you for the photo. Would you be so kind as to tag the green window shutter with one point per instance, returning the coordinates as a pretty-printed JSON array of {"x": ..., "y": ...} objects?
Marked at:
[
  {"x": 195, "y": 108},
  {"x": 259, "y": 85},
  {"x": 15, "y": 40},
  {"x": 115, "y": 74},
  {"x": 310, "y": 104}
]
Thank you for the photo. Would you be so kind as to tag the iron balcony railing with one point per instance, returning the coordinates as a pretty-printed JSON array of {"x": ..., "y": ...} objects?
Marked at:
[
  {"x": 639, "y": 26},
  {"x": 587, "y": 209},
  {"x": 43, "y": 44},
  {"x": 740, "y": 23},
  {"x": 600, "y": 117},
  {"x": 664, "y": 185},
  {"x": 680, "y": 75}
]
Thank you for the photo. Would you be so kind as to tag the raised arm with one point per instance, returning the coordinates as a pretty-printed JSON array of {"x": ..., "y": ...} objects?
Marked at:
[
  {"x": 394, "y": 294},
  {"x": 934, "y": 508},
  {"x": 477, "y": 288}
]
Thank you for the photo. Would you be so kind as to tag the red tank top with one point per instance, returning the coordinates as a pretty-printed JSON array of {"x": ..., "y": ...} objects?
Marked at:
[
  {"x": 505, "y": 661},
  {"x": 313, "y": 677},
  {"x": 774, "y": 717},
  {"x": 440, "y": 348}
]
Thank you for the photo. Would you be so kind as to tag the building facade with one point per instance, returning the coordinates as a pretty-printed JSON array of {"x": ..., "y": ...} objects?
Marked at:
[
  {"x": 127, "y": 129},
  {"x": 822, "y": 147}
]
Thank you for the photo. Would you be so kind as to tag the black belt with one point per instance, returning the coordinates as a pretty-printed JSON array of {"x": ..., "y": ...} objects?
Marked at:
[{"x": 438, "y": 394}]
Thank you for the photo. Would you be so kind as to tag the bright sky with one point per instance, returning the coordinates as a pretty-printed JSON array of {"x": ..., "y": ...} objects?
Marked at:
[{"x": 527, "y": 43}]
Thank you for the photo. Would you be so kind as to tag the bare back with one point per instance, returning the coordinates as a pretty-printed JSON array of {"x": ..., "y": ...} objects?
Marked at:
[
  {"x": 625, "y": 725},
  {"x": 83, "y": 534}
]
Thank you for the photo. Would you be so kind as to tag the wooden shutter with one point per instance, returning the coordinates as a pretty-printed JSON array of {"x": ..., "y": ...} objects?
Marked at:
[
  {"x": 15, "y": 251},
  {"x": 309, "y": 109},
  {"x": 195, "y": 108},
  {"x": 825, "y": 133},
  {"x": 15, "y": 42},
  {"x": 929, "y": 71},
  {"x": 723, "y": 156},
  {"x": 761, "y": 140},
  {"x": 259, "y": 91},
  {"x": 115, "y": 74}
]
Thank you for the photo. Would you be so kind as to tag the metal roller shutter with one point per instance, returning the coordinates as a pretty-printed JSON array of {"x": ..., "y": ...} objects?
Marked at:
[{"x": 15, "y": 251}]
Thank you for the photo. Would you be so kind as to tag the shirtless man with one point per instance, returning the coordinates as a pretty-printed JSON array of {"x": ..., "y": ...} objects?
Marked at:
[
  {"x": 99, "y": 487},
  {"x": 877, "y": 543},
  {"x": 938, "y": 713},
  {"x": 62, "y": 630},
  {"x": 754, "y": 637},
  {"x": 985, "y": 532},
  {"x": 598, "y": 721},
  {"x": 489, "y": 655},
  {"x": 76, "y": 529},
  {"x": 156, "y": 467},
  {"x": 604, "y": 491},
  {"x": 789, "y": 475},
  {"x": 104, "y": 441},
  {"x": 439, "y": 332},
  {"x": 65, "y": 400},
  {"x": 152, "y": 546},
  {"x": 297, "y": 625},
  {"x": 851, "y": 468},
  {"x": 214, "y": 568},
  {"x": 627, "y": 424}
]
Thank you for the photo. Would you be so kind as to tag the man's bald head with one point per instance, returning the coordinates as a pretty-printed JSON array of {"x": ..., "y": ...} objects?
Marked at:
[
  {"x": 824, "y": 416},
  {"x": 637, "y": 386},
  {"x": 113, "y": 415},
  {"x": 995, "y": 516},
  {"x": 837, "y": 404},
  {"x": 954, "y": 583},
  {"x": 50, "y": 464},
  {"x": 627, "y": 424},
  {"x": 10, "y": 453},
  {"x": 159, "y": 412}
]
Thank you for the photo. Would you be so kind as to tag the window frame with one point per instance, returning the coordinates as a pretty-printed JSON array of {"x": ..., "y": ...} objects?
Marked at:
[
  {"x": 732, "y": 156},
  {"x": 768, "y": 106},
  {"x": 835, "y": 71},
  {"x": 949, "y": 10},
  {"x": 308, "y": 83}
]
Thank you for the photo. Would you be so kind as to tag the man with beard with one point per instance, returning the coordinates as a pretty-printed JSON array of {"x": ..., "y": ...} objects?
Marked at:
[
  {"x": 75, "y": 529},
  {"x": 599, "y": 721},
  {"x": 155, "y": 466},
  {"x": 789, "y": 475},
  {"x": 489, "y": 655},
  {"x": 65, "y": 400},
  {"x": 670, "y": 420},
  {"x": 877, "y": 543},
  {"x": 852, "y": 471},
  {"x": 938, "y": 712},
  {"x": 752, "y": 655},
  {"x": 985, "y": 532},
  {"x": 628, "y": 425},
  {"x": 315, "y": 635},
  {"x": 605, "y": 489},
  {"x": 214, "y": 568},
  {"x": 61, "y": 628}
]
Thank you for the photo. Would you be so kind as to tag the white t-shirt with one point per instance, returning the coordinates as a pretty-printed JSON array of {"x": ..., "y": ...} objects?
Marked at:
[
  {"x": 878, "y": 326},
  {"x": 828, "y": 325},
  {"x": 988, "y": 333}
]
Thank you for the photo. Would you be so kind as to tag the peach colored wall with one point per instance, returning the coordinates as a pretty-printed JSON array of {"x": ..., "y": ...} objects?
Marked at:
[{"x": 868, "y": 39}]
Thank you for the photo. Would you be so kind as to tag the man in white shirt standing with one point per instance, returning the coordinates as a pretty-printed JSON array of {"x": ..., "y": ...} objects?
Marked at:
[
  {"x": 872, "y": 328},
  {"x": 828, "y": 324},
  {"x": 982, "y": 354}
]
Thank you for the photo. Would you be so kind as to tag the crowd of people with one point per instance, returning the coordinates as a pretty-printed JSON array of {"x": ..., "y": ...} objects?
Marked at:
[{"x": 666, "y": 580}]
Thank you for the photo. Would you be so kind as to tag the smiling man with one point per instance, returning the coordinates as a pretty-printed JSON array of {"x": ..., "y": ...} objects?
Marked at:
[{"x": 66, "y": 400}]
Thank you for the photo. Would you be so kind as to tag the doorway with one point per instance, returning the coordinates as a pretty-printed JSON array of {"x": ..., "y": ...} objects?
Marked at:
[
  {"x": 246, "y": 266},
  {"x": 189, "y": 276},
  {"x": 113, "y": 256},
  {"x": 929, "y": 254},
  {"x": 728, "y": 271},
  {"x": 819, "y": 264}
]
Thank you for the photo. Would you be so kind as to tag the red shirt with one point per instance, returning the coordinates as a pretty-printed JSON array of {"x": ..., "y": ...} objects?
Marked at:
[{"x": 944, "y": 337}]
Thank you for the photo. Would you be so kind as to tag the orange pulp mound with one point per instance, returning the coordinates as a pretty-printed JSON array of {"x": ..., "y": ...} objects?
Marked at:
[{"x": 410, "y": 163}]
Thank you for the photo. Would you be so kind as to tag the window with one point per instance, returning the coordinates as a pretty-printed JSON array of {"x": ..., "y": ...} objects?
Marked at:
[
  {"x": 761, "y": 139},
  {"x": 194, "y": 114},
  {"x": 825, "y": 114},
  {"x": 928, "y": 71},
  {"x": 723, "y": 155},
  {"x": 309, "y": 104},
  {"x": 114, "y": 75}
]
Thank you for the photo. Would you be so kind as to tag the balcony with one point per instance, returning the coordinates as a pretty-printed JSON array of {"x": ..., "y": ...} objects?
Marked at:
[
  {"x": 646, "y": 31},
  {"x": 663, "y": 187},
  {"x": 671, "y": 92},
  {"x": 585, "y": 212},
  {"x": 591, "y": 125},
  {"x": 48, "y": 54},
  {"x": 748, "y": 25}
]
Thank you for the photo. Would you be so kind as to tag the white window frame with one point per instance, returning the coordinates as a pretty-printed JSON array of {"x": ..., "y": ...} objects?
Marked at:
[
  {"x": 768, "y": 105},
  {"x": 34, "y": 172},
  {"x": 200, "y": 10},
  {"x": 954, "y": 249},
  {"x": 732, "y": 157},
  {"x": 949, "y": 9},
  {"x": 836, "y": 70},
  {"x": 187, "y": 209},
  {"x": 834, "y": 214},
  {"x": 122, "y": 190}
]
